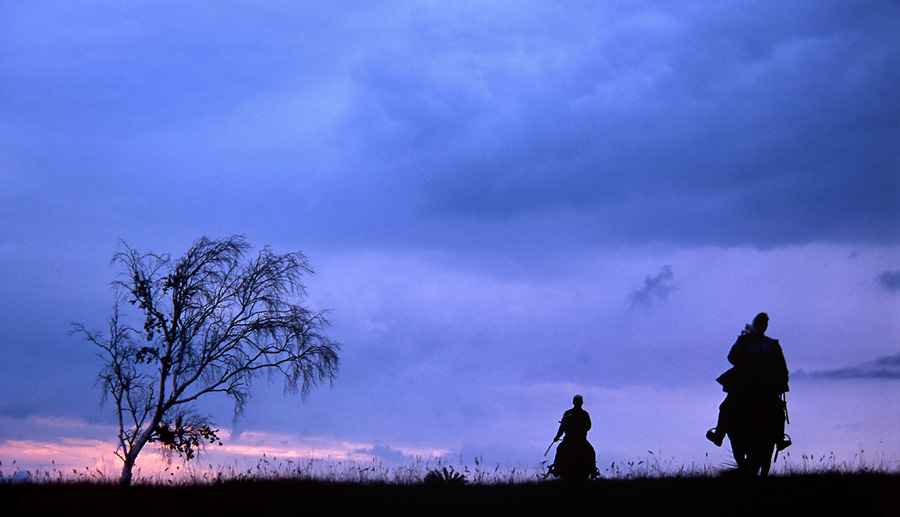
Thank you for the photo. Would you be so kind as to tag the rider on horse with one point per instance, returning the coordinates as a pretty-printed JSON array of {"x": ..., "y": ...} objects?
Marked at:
[
  {"x": 575, "y": 456},
  {"x": 759, "y": 374}
]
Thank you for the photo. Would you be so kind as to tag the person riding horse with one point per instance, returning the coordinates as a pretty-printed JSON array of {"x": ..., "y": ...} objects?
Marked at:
[
  {"x": 759, "y": 376},
  {"x": 575, "y": 456}
]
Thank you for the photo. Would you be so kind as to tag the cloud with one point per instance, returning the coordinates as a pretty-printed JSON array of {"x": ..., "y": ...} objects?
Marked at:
[
  {"x": 664, "y": 136},
  {"x": 639, "y": 122},
  {"x": 890, "y": 280},
  {"x": 655, "y": 288},
  {"x": 887, "y": 367},
  {"x": 386, "y": 453}
]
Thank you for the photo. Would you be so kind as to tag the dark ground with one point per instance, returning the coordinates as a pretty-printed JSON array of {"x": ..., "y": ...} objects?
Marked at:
[{"x": 853, "y": 494}]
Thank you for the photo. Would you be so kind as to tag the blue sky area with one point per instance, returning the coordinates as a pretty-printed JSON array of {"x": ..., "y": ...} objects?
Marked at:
[{"x": 505, "y": 203}]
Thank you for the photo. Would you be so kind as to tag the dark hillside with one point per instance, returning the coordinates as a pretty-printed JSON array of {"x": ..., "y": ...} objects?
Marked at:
[{"x": 856, "y": 494}]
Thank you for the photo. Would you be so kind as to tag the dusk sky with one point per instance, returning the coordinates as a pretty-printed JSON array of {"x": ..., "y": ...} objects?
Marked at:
[{"x": 505, "y": 204}]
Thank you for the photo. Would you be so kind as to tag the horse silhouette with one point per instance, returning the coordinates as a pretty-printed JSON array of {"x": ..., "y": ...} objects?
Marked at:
[{"x": 757, "y": 431}]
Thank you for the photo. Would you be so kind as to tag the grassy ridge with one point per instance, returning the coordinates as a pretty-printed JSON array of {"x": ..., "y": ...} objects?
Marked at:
[{"x": 861, "y": 494}]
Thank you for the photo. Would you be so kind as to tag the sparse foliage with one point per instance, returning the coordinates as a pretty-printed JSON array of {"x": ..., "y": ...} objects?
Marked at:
[{"x": 213, "y": 320}]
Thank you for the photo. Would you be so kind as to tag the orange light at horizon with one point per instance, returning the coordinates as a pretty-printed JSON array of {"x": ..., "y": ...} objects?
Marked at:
[{"x": 68, "y": 458}]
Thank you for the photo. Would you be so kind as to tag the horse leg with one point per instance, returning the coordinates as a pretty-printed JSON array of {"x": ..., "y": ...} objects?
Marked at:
[
  {"x": 740, "y": 454},
  {"x": 766, "y": 459}
]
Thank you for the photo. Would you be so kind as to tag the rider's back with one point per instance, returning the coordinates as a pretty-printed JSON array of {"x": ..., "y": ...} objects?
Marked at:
[
  {"x": 576, "y": 423},
  {"x": 759, "y": 366}
]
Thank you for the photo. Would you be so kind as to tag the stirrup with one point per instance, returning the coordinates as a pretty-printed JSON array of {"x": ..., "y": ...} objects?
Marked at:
[
  {"x": 712, "y": 435},
  {"x": 784, "y": 443}
]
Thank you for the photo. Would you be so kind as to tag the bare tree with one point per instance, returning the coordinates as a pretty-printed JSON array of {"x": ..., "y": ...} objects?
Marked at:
[{"x": 213, "y": 321}]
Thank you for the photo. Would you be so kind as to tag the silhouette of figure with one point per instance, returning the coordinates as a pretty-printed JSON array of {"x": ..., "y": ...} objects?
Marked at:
[
  {"x": 759, "y": 373},
  {"x": 575, "y": 456}
]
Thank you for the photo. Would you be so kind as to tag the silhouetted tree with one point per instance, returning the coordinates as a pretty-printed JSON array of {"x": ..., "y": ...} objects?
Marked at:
[{"x": 213, "y": 320}]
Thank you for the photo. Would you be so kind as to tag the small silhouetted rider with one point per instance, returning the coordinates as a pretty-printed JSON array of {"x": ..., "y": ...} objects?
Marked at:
[
  {"x": 759, "y": 372},
  {"x": 575, "y": 456}
]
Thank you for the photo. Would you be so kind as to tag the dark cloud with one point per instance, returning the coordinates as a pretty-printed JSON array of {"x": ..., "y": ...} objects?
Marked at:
[
  {"x": 655, "y": 288},
  {"x": 890, "y": 280},
  {"x": 887, "y": 367},
  {"x": 630, "y": 123},
  {"x": 711, "y": 129}
]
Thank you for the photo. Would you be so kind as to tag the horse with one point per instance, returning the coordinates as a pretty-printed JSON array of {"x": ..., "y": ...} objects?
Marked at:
[
  {"x": 757, "y": 430},
  {"x": 575, "y": 460}
]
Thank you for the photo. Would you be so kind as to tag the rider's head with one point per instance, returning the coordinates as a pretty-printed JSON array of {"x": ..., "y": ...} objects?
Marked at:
[
  {"x": 577, "y": 401},
  {"x": 761, "y": 322}
]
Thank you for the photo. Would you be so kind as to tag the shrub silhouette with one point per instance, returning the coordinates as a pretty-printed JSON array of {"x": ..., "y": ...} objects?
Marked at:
[{"x": 445, "y": 476}]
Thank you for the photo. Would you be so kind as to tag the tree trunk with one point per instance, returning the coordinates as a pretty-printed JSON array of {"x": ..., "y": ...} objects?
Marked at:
[
  {"x": 132, "y": 455},
  {"x": 125, "y": 480}
]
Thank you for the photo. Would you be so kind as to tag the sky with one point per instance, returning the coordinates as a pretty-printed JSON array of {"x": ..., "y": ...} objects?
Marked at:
[{"x": 505, "y": 204}]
